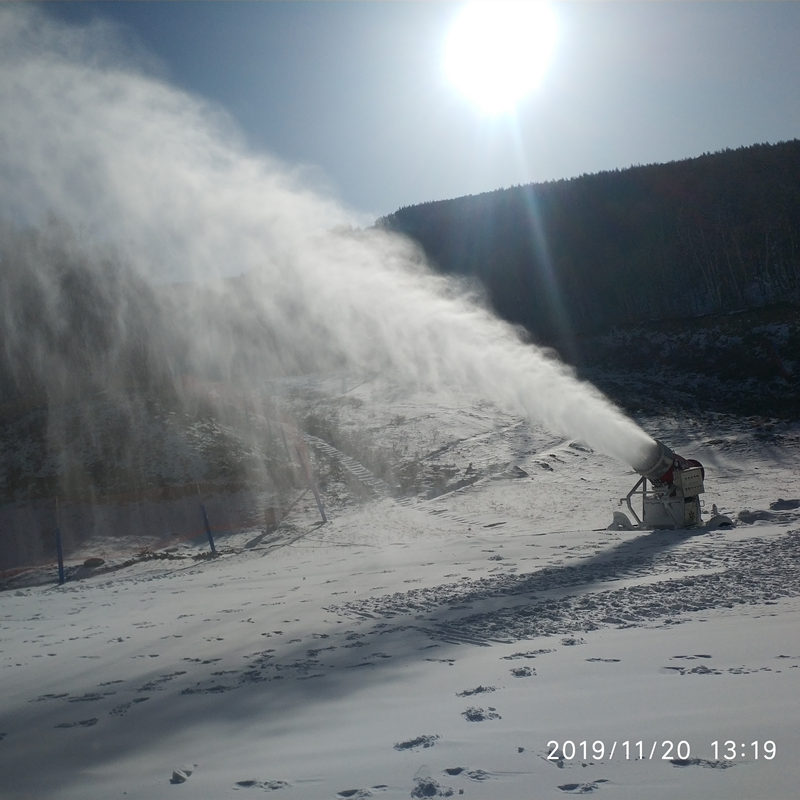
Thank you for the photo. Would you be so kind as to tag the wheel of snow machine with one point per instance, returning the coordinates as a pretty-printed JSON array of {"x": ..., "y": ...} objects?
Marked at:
[
  {"x": 719, "y": 521},
  {"x": 620, "y": 523}
]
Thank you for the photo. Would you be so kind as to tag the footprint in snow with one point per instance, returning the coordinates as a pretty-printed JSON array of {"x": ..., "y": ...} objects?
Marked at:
[
  {"x": 90, "y": 697},
  {"x": 123, "y": 708},
  {"x": 428, "y": 787},
  {"x": 700, "y": 762},
  {"x": 582, "y": 788},
  {"x": 473, "y": 774},
  {"x": 182, "y": 774},
  {"x": 473, "y": 714},
  {"x": 43, "y": 697},
  {"x": 426, "y": 740},
  {"x": 477, "y": 690},
  {"x": 267, "y": 786},
  {"x": 84, "y": 723},
  {"x": 696, "y": 655}
]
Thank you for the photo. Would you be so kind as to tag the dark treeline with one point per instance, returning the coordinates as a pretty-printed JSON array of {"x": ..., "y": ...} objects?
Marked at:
[{"x": 708, "y": 235}]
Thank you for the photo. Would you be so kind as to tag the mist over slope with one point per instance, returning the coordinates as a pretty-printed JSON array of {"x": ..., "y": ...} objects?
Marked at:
[{"x": 151, "y": 261}]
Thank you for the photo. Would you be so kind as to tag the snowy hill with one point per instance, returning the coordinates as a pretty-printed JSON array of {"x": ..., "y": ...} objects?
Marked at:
[{"x": 477, "y": 634}]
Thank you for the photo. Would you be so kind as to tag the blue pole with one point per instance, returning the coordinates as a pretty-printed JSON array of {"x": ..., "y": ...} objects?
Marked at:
[
  {"x": 208, "y": 530},
  {"x": 60, "y": 552}
]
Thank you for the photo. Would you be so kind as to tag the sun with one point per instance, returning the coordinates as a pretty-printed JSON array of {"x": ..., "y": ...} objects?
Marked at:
[{"x": 496, "y": 51}]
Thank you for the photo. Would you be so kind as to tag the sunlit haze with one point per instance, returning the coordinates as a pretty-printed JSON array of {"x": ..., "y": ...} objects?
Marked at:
[
  {"x": 497, "y": 52},
  {"x": 355, "y": 93}
]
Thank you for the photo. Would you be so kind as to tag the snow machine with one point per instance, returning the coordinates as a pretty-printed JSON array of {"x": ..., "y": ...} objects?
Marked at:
[{"x": 670, "y": 488}]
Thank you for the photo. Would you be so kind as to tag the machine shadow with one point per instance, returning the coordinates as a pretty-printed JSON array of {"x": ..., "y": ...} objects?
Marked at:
[{"x": 629, "y": 555}]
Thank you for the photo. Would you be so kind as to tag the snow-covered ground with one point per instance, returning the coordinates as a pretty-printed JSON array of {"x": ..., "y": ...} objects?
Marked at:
[{"x": 493, "y": 641}]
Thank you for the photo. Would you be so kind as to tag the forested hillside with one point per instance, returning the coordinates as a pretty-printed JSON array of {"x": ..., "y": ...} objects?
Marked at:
[{"x": 709, "y": 235}]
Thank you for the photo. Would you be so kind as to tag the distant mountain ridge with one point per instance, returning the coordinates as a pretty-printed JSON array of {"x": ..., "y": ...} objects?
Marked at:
[{"x": 710, "y": 235}]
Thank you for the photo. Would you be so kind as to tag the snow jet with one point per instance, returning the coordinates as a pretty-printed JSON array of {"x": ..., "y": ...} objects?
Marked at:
[{"x": 204, "y": 262}]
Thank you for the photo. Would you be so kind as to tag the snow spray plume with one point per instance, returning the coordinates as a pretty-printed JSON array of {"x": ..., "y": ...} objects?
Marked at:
[{"x": 154, "y": 205}]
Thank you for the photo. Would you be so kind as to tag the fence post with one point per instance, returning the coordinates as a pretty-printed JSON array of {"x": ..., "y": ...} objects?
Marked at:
[
  {"x": 60, "y": 553},
  {"x": 208, "y": 530}
]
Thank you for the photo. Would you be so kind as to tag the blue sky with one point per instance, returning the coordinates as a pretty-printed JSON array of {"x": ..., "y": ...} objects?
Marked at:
[{"x": 356, "y": 91}]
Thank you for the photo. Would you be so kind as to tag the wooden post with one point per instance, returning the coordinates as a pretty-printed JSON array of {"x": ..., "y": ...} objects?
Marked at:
[
  {"x": 208, "y": 530},
  {"x": 60, "y": 553},
  {"x": 59, "y": 548}
]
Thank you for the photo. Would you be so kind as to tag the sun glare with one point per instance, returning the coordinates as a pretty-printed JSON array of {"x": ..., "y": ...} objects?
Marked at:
[{"x": 497, "y": 51}]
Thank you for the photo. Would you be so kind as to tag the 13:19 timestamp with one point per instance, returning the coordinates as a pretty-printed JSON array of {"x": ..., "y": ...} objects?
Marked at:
[{"x": 731, "y": 750}]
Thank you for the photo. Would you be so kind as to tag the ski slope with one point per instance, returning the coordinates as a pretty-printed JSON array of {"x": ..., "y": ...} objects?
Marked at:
[{"x": 492, "y": 640}]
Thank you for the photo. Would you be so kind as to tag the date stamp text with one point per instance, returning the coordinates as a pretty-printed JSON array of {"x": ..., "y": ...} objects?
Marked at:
[{"x": 658, "y": 749}]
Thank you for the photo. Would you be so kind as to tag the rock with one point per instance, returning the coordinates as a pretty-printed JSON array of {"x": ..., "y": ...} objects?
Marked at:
[{"x": 181, "y": 775}]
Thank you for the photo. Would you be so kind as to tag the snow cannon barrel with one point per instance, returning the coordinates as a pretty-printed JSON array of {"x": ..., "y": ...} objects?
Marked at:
[{"x": 658, "y": 462}]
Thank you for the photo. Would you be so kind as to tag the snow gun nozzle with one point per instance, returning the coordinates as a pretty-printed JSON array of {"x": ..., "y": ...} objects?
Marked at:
[{"x": 658, "y": 461}]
